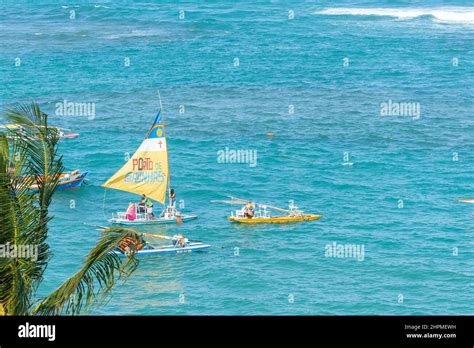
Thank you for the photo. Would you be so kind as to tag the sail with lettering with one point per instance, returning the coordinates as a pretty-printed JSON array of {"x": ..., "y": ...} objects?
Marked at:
[{"x": 147, "y": 171}]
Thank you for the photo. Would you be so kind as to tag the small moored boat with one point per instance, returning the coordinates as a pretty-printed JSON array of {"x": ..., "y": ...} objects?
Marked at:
[
  {"x": 16, "y": 128},
  {"x": 257, "y": 213},
  {"x": 67, "y": 180},
  {"x": 180, "y": 245},
  {"x": 149, "y": 250},
  {"x": 168, "y": 216},
  {"x": 63, "y": 135},
  {"x": 275, "y": 219}
]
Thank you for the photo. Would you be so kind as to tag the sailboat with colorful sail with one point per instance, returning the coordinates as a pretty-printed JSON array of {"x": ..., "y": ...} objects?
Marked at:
[{"x": 147, "y": 173}]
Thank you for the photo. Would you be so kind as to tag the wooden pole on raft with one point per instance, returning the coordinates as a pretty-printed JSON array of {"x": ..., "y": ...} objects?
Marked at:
[
  {"x": 157, "y": 236},
  {"x": 261, "y": 204},
  {"x": 167, "y": 148},
  {"x": 179, "y": 220}
]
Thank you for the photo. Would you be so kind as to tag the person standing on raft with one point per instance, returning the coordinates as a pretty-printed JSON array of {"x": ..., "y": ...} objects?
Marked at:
[{"x": 172, "y": 198}]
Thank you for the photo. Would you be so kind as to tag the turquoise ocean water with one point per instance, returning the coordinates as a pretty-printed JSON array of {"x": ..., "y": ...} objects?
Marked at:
[{"x": 291, "y": 80}]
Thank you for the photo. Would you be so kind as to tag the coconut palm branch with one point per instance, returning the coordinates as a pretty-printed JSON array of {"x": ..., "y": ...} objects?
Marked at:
[
  {"x": 92, "y": 283},
  {"x": 29, "y": 156}
]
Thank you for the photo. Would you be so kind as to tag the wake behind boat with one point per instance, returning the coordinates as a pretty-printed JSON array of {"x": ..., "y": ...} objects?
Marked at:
[
  {"x": 254, "y": 213},
  {"x": 147, "y": 173}
]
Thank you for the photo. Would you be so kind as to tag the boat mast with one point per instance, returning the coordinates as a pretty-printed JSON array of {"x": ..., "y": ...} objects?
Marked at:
[{"x": 167, "y": 149}]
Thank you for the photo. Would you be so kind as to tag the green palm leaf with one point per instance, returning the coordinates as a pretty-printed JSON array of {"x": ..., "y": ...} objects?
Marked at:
[
  {"x": 28, "y": 155},
  {"x": 92, "y": 283}
]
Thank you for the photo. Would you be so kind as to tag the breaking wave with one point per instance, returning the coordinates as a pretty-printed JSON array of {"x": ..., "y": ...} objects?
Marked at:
[{"x": 446, "y": 15}]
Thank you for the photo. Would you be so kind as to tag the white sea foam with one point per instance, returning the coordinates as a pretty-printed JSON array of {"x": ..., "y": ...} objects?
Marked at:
[
  {"x": 446, "y": 15},
  {"x": 134, "y": 33}
]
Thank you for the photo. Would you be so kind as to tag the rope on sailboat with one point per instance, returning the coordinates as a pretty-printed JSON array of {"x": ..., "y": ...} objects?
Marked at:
[{"x": 103, "y": 204}]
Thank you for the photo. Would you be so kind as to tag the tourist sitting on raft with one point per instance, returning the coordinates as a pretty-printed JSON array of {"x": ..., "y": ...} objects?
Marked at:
[
  {"x": 180, "y": 241},
  {"x": 131, "y": 214},
  {"x": 145, "y": 206},
  {"x": 248, "y": 210},
  {"x": 144, "y": 202},
  {"x": 150, "y": 215}
]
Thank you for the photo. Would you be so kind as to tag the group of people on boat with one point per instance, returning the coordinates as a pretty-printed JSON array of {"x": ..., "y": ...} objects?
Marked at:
[{"x": 145, "y": 206}]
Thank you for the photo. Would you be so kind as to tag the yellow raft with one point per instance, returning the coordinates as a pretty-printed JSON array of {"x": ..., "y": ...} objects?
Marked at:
[{"x": 275, "y": 219}]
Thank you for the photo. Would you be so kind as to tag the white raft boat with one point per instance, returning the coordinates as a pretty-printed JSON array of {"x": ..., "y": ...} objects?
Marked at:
[
  {"x": 180, "y": 245},
  {"x": 147, "y": 173},
  {"x": 171, "y": 249}
]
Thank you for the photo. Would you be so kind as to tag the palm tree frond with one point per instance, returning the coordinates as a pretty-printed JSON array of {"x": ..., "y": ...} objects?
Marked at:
[
  {"x": 91, "y": 284},
  {"x": 28, "y": 155}
]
